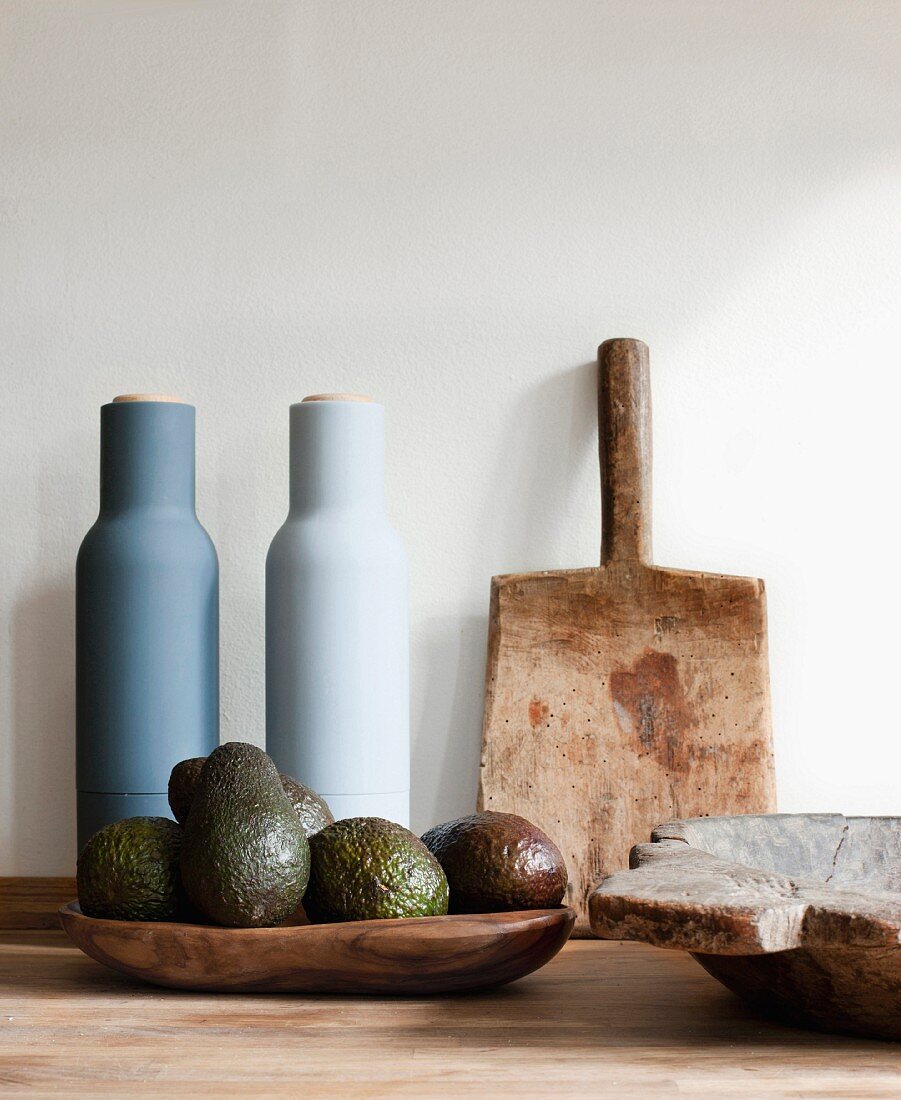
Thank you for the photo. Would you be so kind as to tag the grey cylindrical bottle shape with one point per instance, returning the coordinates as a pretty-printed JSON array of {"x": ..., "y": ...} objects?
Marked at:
[
  {"x": 337, "y": 622},
  {"x": 147, "y": 618}
]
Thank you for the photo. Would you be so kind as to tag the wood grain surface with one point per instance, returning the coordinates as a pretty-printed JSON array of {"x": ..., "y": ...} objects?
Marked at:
[
  {"x": 626, "y": 695},
  {"x": 33, "y": 902},
  {"x": 127, "y": 398},
  {"x": 423, "y": 955},
  {"x": 601, "y": 1020}
]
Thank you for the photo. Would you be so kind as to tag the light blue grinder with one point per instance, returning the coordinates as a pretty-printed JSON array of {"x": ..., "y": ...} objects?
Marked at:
[
  {"x": 337, "y": 619},
  {"x": 147, "y": 617}
]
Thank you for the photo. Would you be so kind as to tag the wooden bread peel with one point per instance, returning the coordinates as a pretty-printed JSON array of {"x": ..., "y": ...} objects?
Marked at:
[{"x": 623, "y": 696}]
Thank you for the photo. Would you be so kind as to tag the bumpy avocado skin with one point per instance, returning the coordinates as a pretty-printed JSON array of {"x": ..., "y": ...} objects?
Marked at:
[
  {"x": 182, "y": 785},
  {"x": 245, "y": 858},
  {"x": 367, "y": 868},
  {"x": 129, "y": 870},
  {"x": 310, "y": 807},
  {"x": 497, "y": 862}
]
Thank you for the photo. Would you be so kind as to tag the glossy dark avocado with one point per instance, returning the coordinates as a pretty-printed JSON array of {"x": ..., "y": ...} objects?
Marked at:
[
  {"x": 496, "y": 862},
  {"x": 245, "y": 857},
  {"x": 367, "y": 868},
  {"x": 310, "y": 807}
]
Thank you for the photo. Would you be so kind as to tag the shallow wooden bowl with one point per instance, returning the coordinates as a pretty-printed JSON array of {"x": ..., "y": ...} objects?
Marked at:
[
  {"x": 420, "y": 955},
  {"x": 799, "y": 914}
]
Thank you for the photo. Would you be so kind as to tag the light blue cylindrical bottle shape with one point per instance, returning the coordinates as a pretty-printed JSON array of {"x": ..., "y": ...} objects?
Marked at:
[
  {"x": 147, "y": 618},
  {"x": 337, "y": 619}
]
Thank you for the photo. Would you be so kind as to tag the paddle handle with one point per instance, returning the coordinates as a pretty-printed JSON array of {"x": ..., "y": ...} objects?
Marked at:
[{"x": 624, "y": 417}]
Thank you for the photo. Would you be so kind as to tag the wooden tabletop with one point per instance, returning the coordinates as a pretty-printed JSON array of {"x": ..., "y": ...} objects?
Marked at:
[{"x": 603, "y": 1019}]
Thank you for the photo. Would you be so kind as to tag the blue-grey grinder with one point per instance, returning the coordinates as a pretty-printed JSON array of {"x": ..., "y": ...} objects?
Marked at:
[{"x": 147, "y": 617}]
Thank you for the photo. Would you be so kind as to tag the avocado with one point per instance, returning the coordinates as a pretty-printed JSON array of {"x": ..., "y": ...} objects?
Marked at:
[
  {"x": 129, "y": 871},
  {"x": 310, "y": 807},
  {"x": 367, "y": 868},
  {"x": 496, "y": 862},
  {"x": 182, "y": 784},
  {"x": 245, "y": 858}
]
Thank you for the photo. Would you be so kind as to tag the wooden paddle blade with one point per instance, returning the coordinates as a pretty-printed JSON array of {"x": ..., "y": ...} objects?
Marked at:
[{"x": 618, "y": 698}]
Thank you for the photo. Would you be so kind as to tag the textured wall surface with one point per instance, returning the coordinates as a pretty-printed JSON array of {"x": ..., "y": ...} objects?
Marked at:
[{"x": 449, "y": 205}]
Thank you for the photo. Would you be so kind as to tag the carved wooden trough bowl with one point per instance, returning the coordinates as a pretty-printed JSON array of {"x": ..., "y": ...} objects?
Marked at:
[
  {"x": 420, "y": 955},
  {"x": 799, "y": 914}
]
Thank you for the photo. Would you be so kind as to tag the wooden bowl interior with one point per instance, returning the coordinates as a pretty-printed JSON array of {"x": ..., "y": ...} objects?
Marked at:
[{"x": 858, "y": 852}]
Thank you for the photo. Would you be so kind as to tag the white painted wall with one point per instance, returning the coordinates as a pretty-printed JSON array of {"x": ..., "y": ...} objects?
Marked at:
[{"x": 449, "y": 203}]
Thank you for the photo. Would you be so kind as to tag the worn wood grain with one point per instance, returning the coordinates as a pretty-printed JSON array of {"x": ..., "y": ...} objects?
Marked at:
[
  {"x": 33, "y": 902},
  {"x": 601, "y": 1020},
  {"x": 622, "y": 696},
  {"x": 425, "y": 955},
  {"x": 790, "y": 911}
]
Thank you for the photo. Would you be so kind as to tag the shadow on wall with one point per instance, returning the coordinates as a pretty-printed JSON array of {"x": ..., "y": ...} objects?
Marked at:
[
  {"x": 39, "y": 826},
  {"x": 548, "y": 463},
  {"x": 42, "y": 817},
  {"x": 242, "y": 530},
  {"x": 549, "y": 446},
  {"x": 448, "y": 674}
]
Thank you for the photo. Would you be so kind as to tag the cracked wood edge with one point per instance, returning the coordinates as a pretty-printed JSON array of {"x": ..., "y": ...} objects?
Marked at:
[{"x": 680, "y": 897}]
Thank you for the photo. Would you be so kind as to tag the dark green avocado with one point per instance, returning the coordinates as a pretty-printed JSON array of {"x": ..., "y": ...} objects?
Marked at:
[
  {"x": 245, "y": 858},
  {"x": 182, "y": 785},
  {"x": 367, "y": 868},
  {"x": 496, "y": 862},
  {"x": 310, "y": 807},
  {"x": 129, "y": 871}
]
